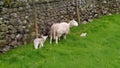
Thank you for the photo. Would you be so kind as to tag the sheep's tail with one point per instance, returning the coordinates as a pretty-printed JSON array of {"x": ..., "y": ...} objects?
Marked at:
[
  {"x": 54, "y": 34},
  {"x": 50, "y": 36}
]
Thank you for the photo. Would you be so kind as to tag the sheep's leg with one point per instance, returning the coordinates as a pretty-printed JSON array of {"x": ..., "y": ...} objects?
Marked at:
[
  {"x": 54, "y": 35},
  {"x": 59, "y": 38},
  {"x": 64, "y": 36},
  {"x": 56, "y": 40},
  {"x": 51, "y": 40}
]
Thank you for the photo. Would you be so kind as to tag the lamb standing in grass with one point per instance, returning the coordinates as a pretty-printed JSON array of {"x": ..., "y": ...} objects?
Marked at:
[
  {"x": 59, "y": 29},
  {"x": 40, "y": 41}
]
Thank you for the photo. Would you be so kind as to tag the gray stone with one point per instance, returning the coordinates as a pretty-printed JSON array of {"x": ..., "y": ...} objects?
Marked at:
[
  {"x": 1, "y": 18},
  {"x": 14, "y": 14},
  {"x": 20, "y": 8},
  {"x": 14, "y": 22},
  {"x": 12, "y": 36},
  {"x": 20, "y": 29},
  {"x": 27, "y": 31},
  {"x": 2, "y": 34},
  {"x": 1, "y": 22},
  {"x": 19, "y": 37},
  {"x": 6, "y": 48},
  {"x": 84, "y": 22},
  {"x": 11, "y": 29},
  {"x": 90, "y": 20},
  {"x": 5, "y": 10},
  {"x": 8, "y": 39},
  {"x": 3, "y": 28},
  {"x": 14, "y": 43},
  {"x": 3, "y": 42}
]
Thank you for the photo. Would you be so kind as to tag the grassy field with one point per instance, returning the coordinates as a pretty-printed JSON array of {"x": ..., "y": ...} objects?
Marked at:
[{"x": 99, "y": 49}]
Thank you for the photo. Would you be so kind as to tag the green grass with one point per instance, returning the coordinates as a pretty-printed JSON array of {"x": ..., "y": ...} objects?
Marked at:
[{"x": 99, "y": 49}]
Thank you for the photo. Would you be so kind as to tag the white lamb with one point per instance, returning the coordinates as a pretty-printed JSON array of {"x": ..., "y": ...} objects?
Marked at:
[
  {"x": 59, "y": 29},
  {"x": 40, "y": 41}
]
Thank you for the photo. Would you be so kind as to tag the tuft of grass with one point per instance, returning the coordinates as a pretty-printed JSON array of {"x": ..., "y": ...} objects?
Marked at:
[{"x": 99, "y": 49}]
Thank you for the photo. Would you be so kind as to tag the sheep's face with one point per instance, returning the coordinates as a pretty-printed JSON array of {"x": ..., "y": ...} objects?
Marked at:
[
  {"x": 73, "y": 23},
  {"x": 44, "y": 37}
]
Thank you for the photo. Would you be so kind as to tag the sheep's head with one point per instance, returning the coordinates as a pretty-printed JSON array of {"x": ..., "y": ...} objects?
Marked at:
[
  {"x": 44, "y": 37},
  {"x": 73, "y": 23}
]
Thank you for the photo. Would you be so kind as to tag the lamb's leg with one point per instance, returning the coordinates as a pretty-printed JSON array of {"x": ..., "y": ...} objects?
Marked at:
[
  {"x": 36, "y": 45},
  {"x": 41, "y": 45}
]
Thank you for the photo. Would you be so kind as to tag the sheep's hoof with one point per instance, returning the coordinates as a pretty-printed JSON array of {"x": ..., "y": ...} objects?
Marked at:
[
  {"x": 57, "y": 43},
  {"x": 36, "y": 48},
  {"x": 40, "y": 46}
]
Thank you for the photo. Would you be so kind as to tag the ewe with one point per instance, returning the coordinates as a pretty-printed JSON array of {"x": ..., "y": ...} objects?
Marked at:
[{"x": 59, "y": 29}]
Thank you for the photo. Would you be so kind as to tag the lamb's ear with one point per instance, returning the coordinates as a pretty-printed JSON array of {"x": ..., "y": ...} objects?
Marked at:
[
  {"x": 41, "y": 35},
  {"x": 73, "y": 19}
]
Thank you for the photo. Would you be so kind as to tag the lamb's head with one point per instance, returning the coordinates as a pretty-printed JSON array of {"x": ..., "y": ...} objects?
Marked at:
[
  {"x": 73, "y": 23},
  {"x": 44, "y": 37}
]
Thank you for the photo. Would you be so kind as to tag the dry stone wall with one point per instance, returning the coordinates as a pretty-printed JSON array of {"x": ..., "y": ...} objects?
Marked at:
[{"x": 17, "y": 17}]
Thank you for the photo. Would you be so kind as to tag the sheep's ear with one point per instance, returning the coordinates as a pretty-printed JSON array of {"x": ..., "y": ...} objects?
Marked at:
[
  {"x": 41, "y": 35},
  {"x": 73, "y": 19}
]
